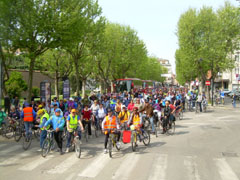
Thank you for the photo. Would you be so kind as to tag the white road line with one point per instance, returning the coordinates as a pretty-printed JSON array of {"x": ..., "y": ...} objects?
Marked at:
[
  {"x": 126, "y": 167},
  {"x": 64, "y": 165},
  {"x": 34, "y": 164},
  {"x": 12, "y": 160},
  {"x": 10, "y": 149},
  {"x": 159, "y": 168},
  {"x": 96, "y": 166},
  {"x": 225, "y": 170},
  {"x": 191, "y": 166}
]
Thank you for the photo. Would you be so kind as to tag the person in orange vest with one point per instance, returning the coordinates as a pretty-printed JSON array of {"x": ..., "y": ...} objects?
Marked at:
[
  {"x": 28, "y": 115},
  {"x": 110, "y": 123}
]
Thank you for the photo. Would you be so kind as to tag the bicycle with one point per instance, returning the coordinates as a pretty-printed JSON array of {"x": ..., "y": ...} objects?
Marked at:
[
  {"x": 48, "y": 143},
  {"x": 144, "y": 136},
  {"x": 11, "y": 128},
  {"x": 204, "y": 105},
  {"x": 88, "y": 122},
  {"x": 3, "y": 130},
  {"x": 97, "y": 128},
  {"x": 197, "y": 108},
  {"x": 112, "y": 142},
  {"x": 76, "y": 144},
  {"x": 27, "y": 140},
  {"x": 19, "y": 131},
  {"x": 170, "y": 128}
]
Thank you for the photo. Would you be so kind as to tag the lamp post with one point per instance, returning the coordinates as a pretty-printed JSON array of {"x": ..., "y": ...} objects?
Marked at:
[{"x": 1, "y": 76}]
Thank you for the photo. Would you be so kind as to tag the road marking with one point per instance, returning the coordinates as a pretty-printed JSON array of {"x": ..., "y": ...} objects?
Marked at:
[
  {"x": 225, "y": 170},
  {"x": 126, "y": 167},
  {"x": 34, "y": 164},
  {"x": 159, "y": 168},
  {"x": 191, "y": 166},
  {"x": 10, "y": 149},
  {"x": 96, "y": 166},
  {"x": 14, "y": 159},
  {"x": 64, "y": 165}
]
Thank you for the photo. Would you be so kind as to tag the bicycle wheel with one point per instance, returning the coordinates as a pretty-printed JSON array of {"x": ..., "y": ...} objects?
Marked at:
[
  {"x": 9, "y": 132},
  {"x": 180, "y": 115},
  {"x": 146, "y": 123},
  {"x": 171, "y": 128},
  {"x": 110, "y": 146},
  {"x": 146, "y": 138},
  {"x": 77, "y": 147},
  {"x": 156, "y": 128},
  {"x": 45, "y": 147},
  {"x": 26, "y": 142},
  {"x": 18, "y": 133},
  {"x": 134, "y": 141}
]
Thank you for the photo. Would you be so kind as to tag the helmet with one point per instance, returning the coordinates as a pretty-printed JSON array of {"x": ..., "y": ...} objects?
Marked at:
[{"x": 40, "y": 111}]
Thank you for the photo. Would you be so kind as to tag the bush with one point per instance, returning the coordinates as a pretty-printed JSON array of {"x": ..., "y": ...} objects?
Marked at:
[{"x": 15, "y": 85}]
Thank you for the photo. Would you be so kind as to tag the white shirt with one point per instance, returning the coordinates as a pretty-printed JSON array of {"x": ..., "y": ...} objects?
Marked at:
[{"x": 101, "y": 113}]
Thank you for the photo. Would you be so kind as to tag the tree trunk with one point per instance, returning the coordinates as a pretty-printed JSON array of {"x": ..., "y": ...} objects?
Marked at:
[
  {"x": 56, "y": 85},
  {"x": 83, "y": 87},
  {"x": 30, "y": 79},
  {"x": 77, "y": 76},
  {"x": 112, "y": 88}
]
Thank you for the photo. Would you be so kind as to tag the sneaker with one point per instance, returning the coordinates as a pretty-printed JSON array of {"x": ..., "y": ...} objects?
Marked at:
[
  {"x": 61, "y": 152},
  {"x": 67, "y": 150},
  {"x": 105, "y": 151},
  {"x": 39, "y": 150}
]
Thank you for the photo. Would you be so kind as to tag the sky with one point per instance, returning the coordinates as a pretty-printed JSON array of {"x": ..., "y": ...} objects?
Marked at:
[{"x": 155, "y": 20}]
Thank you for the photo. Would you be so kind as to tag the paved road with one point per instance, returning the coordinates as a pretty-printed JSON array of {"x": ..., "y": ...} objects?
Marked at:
[{"x": 205, "y": 147}]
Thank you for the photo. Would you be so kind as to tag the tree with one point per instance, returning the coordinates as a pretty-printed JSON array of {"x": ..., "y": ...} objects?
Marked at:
[
  {"x": 55, "y": 63},
  {"x": 15, "y": 85}
]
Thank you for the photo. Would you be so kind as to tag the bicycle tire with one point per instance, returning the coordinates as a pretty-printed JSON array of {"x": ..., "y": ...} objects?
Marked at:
[
  {"x": 156, "y": 128},
  {"x": 9, "y": 132},
  {"x": 134, "y": 141},
  {"x": 46, "y": 147},
  {"x": 77, "y": 147},
  {"x": 26, "y": 144},
  {"x": 146, "y": 138},
  {"x": 17, "y": 134},
  {"x": 146, "y": 123},
  {"x": 110, "y": 145},
  {"x": 180, "y": 116},
  {"x": 171, "y": 130},
  {"x": 37, "y": 134}
]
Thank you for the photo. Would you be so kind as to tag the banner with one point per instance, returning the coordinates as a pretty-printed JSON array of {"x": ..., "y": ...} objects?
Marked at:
[
  {"x": 45, "y": 91},
  {"x": 66, "y": 89}
]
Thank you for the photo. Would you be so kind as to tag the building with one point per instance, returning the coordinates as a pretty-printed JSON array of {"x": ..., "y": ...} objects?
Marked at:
[{"x": 170, "y": 77}]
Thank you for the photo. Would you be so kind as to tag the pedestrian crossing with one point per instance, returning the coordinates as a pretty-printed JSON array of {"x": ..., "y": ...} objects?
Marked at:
[{"x": 153, "y": 166}]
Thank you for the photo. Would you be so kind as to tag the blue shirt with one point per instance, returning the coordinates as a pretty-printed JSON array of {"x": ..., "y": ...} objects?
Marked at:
[
  {"x": 57, "y": 103},
  {"x": 56, "y": 122}
]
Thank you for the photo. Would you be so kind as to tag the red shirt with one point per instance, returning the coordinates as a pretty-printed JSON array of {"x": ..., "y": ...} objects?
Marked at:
[
  {"x": 86, "y": 114},
  {"x": 130, "y": 106}
]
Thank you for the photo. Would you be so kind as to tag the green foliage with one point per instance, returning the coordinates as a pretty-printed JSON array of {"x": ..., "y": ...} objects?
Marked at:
[
  {"x": 15, "y": 84},
  {"x": 36, "y": 91},
  {"x": 206, "y": 37}
]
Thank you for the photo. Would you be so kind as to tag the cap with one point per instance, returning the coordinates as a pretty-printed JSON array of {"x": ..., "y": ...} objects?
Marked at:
[
  {"x": 123, "y": 106},
  {"x": 40, "y": 106},
  {"x": 58, "y": 110},
  {"x": 109, "y": 110},
  {"x": 71, "y": 99},
  {"x": 73, "y": 110}
]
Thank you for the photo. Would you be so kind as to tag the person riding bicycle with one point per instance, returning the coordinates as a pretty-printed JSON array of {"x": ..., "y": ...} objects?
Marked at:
[
  {"x": 135, "y": 120},
  {"x": 149, "y": 113},
  {"x": 72, "y": 125},
  {"x": 2, "y": 116},
  {"x": 44, "y": 117},
  {"x": 166, "y": 114},
  {"x": 110, "y": 123},
  {"x": 57, "y": 121},
  {"x": 100, "y": 115},
  {"x": 124, "y": 116},
  {"x": 28, "y": 114},
  {"x": 86, "y": 117},
  {"x": 14, "y": 113}
]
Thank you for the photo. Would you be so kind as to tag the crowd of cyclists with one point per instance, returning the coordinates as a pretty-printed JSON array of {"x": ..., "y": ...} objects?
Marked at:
[{"x": 107, "y": 113}]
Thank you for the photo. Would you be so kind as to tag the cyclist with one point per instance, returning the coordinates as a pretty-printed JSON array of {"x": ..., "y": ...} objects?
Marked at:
[
  {"x": 2, "y": 116},
  {"x": 72, "y": 125},
  {"x": 110, "y": 123},
  {"x": 28, "y": 114},
  {"x": 135, "y": 120},
  {"x": 57, "y": 121},
  {"x": 86, "y": 117},
  {"x": 44, "y": 117},
  {"x": 14, "y": 113},
  {"x": 124, "y": 116},
  {"x": 166, "y": 113},
  {"x": 149, "y": 113},
  {"x": 100, "y": 115},
  {"x": 118, "y": 107},
  {"x": 94, "y": 107}
]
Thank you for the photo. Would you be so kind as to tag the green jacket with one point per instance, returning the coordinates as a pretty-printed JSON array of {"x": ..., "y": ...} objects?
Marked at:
[{"x": 2, "y": 116}]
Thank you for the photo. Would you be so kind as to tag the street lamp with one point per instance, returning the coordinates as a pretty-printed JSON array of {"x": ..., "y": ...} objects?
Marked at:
[{"x": 1, "y": 76}]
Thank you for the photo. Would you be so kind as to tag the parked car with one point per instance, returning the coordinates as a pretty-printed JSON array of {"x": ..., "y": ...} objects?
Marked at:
[
  {"x": 226, "y": 91},
  {"x": 234, "y": 92}
]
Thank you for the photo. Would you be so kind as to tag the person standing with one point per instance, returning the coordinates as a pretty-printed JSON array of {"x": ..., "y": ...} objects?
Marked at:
[
  {"x": 57, "y": 121},
  {"x": 234, "y": 99},
  {"x": 199, "y": 101},
  {"x": 7, "y": 104},
  {"x": 44, "y": 117}
]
